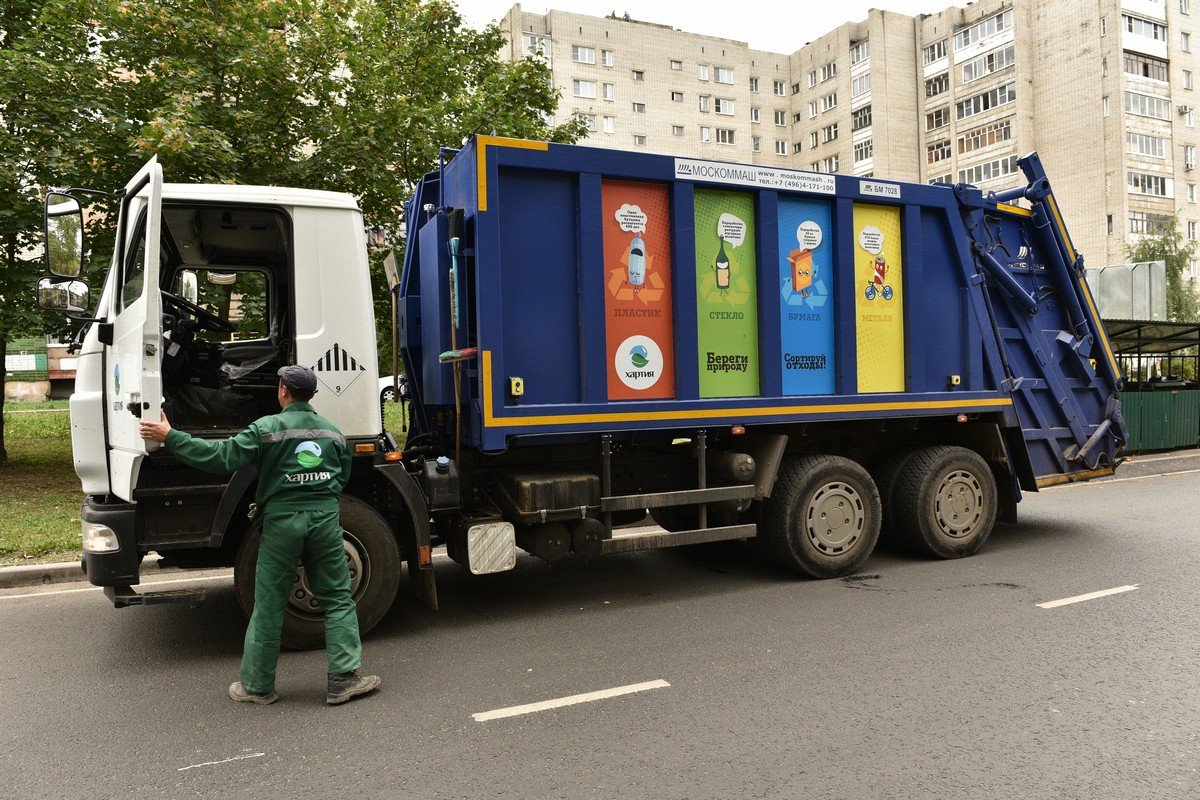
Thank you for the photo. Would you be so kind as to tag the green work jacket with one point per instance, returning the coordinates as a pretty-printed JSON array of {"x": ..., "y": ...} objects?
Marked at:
[{"x": 302, "y": 459}]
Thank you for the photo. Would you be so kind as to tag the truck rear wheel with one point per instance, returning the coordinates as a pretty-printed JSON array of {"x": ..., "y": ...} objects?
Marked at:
[
  {"x": 373, "y": 557},
  {"x": 823, "y": 517},
  {"x": 945, "y": 502},
  {"x": 886, "y": 473}
]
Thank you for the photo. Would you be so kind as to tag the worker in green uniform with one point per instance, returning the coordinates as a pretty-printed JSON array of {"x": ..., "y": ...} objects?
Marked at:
[{"x": 303, "y": 465}]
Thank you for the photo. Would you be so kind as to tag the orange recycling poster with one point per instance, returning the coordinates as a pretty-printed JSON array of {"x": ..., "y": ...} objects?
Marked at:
[{"x": 637, "y": 291}]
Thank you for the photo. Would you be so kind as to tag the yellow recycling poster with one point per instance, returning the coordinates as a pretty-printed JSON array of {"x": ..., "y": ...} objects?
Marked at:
[{"x": 878, "y": 298}]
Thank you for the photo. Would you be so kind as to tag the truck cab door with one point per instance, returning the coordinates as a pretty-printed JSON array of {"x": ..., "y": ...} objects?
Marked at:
[{"x": 133, "y": 384}]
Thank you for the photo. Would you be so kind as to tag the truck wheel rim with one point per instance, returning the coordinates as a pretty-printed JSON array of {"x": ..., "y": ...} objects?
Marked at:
[
  {"x": 835, "y": 518},
  {"x": 958, "y": 504},
  {"x": 303, "y": 602}
]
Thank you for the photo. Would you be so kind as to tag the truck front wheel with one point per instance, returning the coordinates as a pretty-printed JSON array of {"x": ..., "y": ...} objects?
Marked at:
[
  {"x": 945, "y": 502},
  {"x": 823, "y": 516},
  {"x": 372, "y": 556}
]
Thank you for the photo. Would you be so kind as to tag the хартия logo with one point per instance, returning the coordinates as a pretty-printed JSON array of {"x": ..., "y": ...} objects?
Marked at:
[{"x": 308, "y": 454}]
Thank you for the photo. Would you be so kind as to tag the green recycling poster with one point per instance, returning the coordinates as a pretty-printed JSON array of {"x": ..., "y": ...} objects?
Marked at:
[{"x": 726, "y": 294}]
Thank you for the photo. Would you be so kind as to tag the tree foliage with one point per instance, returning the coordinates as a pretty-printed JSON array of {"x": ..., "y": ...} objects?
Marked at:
[
  {"x": 349, "y": 95},
  {"x": 1169, "y": 246}
]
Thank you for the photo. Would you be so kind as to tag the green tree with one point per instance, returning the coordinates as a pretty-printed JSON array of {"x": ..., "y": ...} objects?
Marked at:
[{"x": 1169, "y": 246}]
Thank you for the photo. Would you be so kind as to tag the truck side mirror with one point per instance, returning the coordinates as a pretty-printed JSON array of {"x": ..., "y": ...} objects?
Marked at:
[
  {"x": 68, "y": 297},
  {"x": 189, "y": 286},
  {"x": 64, "y": 236}
]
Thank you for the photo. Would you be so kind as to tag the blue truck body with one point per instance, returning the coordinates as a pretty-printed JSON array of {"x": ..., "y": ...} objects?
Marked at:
[{"x": 996, "y": 322}]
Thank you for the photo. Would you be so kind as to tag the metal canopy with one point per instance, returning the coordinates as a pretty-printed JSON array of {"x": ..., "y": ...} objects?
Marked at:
[{"x": 1149, "y": 338}]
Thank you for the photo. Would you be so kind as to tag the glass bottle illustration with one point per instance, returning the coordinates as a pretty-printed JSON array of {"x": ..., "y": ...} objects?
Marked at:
[
  {"x": 636, "y": 271},
  {"x": 722, "y": 267}
]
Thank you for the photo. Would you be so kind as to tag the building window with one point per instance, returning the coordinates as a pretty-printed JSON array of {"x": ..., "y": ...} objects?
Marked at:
[
  {"x": 1189, "y": 156},
  {"x": 829, "y": 101},
  {"x": 828, "y": 71},
  {"x": 725, "y": 135},
  {"x": 1144, "y": 66},
  {"x": 831, "y": 164},
  {"x": 797, "y": 117},
  {"x": 703, "y": 102},
  {"x": 1110, "y": 225},
  {"x": 583, "y": 55},
  {"x": 705, "y": 133},
  {"x": 860, "y": 85},
  {"x": 861, "y": 118},
  {"x": 1145, "y": 183},
  {"x": 723, "y": 75},
  {"x": 937, "y": 118},
  {"x": 780, "y": 117},
  {"x": 1104, "y": 103},
  {"x": 1103, "y": 26},
  {"x": 1146, "y": 105},
  {"x": 815, "y": 166},
  {"x": 1104, "y": 67},
  {"x": 1191, "y": 192},
  {"x": 676, "y": 65},
  {"x": 639, "y": 108},
  {"x": 538, "y": 46},
  {"x": 1191, "y": 228},
  {"x": 610, "y": 124},
  {"x": 812, "y": 109},
  {"x": 723, "y": 105},
  {"x": 779, "y": 88},
  {"x": 754, "y": 85},
  {"x": 639, "y": 140},
  {"x": 814, "y": 139},
  {"x": 1185, "y": 42},
  {"x": 755, "y": 113},
  {"x": 1142, "y": 144},
  {"x": 1189, "y": 119},
  {"x": 983, "y": 29},
  {"x": 985, "y": 136},
  {"x": 997, "y": 168},
  {"x": 937, "y": 84},
  {"x": 1145, "y": 223},
  {"x": 1145, "y": 27},
  {"x": 989, "y": 63},
  {"x": 606, "y": 57},
  {"x": 797, "y": 147},
  {"x": 935, "y": 52},
  {"x": 677, "y": 97},
  {"x": 812, "y": 81},
  {"x": 1184, "y": 6},
  {"x": 780, "y": 147},
  {"x": 610, "y": 91},
  {"x": 1001, "y": 95},
  {"x": 584, "y": 88},
  {"x": 829, "y": 133},
  {"x": 860, "y": 51},
  {"x": 1187, "y": 79},
  {"x": 756, "y": 143},
  {"x": 639, "y": 75},
  {"x": 938, "y": 151},
  {"x": 795, "y": 88},
  {"x": 702, "y": 71},
  {"x": 943, "y": 180},
  {"x": 677, "y": 130},
  {"x": 864, "y": 150},
  {"x": 589, "y": 121}
]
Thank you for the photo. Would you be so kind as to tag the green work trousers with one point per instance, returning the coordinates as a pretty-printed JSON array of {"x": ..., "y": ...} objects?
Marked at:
[{"x": 314, "y": 538}]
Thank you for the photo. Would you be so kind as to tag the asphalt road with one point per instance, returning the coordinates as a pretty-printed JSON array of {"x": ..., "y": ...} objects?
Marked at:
[{"x": 916, "y": 678}]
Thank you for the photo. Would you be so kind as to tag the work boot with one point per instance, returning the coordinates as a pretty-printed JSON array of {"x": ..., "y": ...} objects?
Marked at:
[
  {"x": 347, "y": 685},
  {"x": 239, "y": 693}
]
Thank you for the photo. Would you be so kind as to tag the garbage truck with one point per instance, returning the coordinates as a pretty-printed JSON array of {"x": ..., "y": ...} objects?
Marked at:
[{"x": 590, "y": 337}]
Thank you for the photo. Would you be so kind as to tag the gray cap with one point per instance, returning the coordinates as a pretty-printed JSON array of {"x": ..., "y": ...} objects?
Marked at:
[{"x": 298, "y": 378}]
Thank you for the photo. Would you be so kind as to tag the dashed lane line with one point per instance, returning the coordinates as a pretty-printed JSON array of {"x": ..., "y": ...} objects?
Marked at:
[
  {"x": 575, "y": 699},
  {"x": 1079, "y": 598}
]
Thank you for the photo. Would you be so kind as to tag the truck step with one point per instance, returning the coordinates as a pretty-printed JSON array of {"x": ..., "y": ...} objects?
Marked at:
[
  {"x": 125, "y": 596},
  {"x": 658, "y": 539},
  {"x": 687, "y": 497}
]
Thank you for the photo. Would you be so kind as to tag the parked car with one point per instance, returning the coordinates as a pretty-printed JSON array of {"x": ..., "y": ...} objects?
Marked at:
[{"x": 387, "y": 389}]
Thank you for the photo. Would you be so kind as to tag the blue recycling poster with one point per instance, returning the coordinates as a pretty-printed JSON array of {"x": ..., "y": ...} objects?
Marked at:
[{"x": 806, "y": 296}]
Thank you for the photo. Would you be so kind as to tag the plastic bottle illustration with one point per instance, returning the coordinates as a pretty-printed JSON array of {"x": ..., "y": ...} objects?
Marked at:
[
  {"x": 636, "y": 261},
  {"x": 722, "y": 267}
]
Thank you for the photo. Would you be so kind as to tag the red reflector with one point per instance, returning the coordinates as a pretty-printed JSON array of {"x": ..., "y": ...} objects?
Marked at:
[
  {"x": 424, "y": 555},
  {"x": 962, "y": 417},
  {"x": 738, "y": 430}
]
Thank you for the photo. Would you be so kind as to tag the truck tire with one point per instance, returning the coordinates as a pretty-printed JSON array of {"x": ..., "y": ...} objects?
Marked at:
[
  {"x": 945, "y": 502},
  {"x": 374, "y": 559},
  {"x": 676, "y": 518},
  {"x": 886, "y": 474},
  {"x": 823, "y": 516}
]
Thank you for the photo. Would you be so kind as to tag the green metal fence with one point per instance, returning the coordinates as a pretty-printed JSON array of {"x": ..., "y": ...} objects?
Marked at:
[
  {"x": 25, "y": 360},
  {"x": 1162, "y": 420}
]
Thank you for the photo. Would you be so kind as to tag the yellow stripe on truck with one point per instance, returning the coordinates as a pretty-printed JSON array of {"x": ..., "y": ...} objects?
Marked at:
[{"x": 482, "y": 143}]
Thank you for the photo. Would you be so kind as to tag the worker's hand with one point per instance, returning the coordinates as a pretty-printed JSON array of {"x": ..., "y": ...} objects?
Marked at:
[{"x": 156, "y": 431}]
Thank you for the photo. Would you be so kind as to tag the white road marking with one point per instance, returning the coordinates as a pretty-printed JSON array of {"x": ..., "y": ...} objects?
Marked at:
[
  {"x": 98, "y": 588},
  {"x": 1163, "y": 457},
  {"x": 1066, "y": 601},
  {"x": 222, "y": 761},
  {"x": 1119, "y": 480},
  {"x": 574, "y": 699}
]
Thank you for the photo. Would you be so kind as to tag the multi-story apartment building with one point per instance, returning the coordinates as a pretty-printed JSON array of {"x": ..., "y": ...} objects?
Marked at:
[{"x": 1105, "y": 90}]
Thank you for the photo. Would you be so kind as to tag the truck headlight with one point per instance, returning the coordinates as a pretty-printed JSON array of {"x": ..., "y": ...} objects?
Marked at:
[{"x": 99, "y": 538}]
